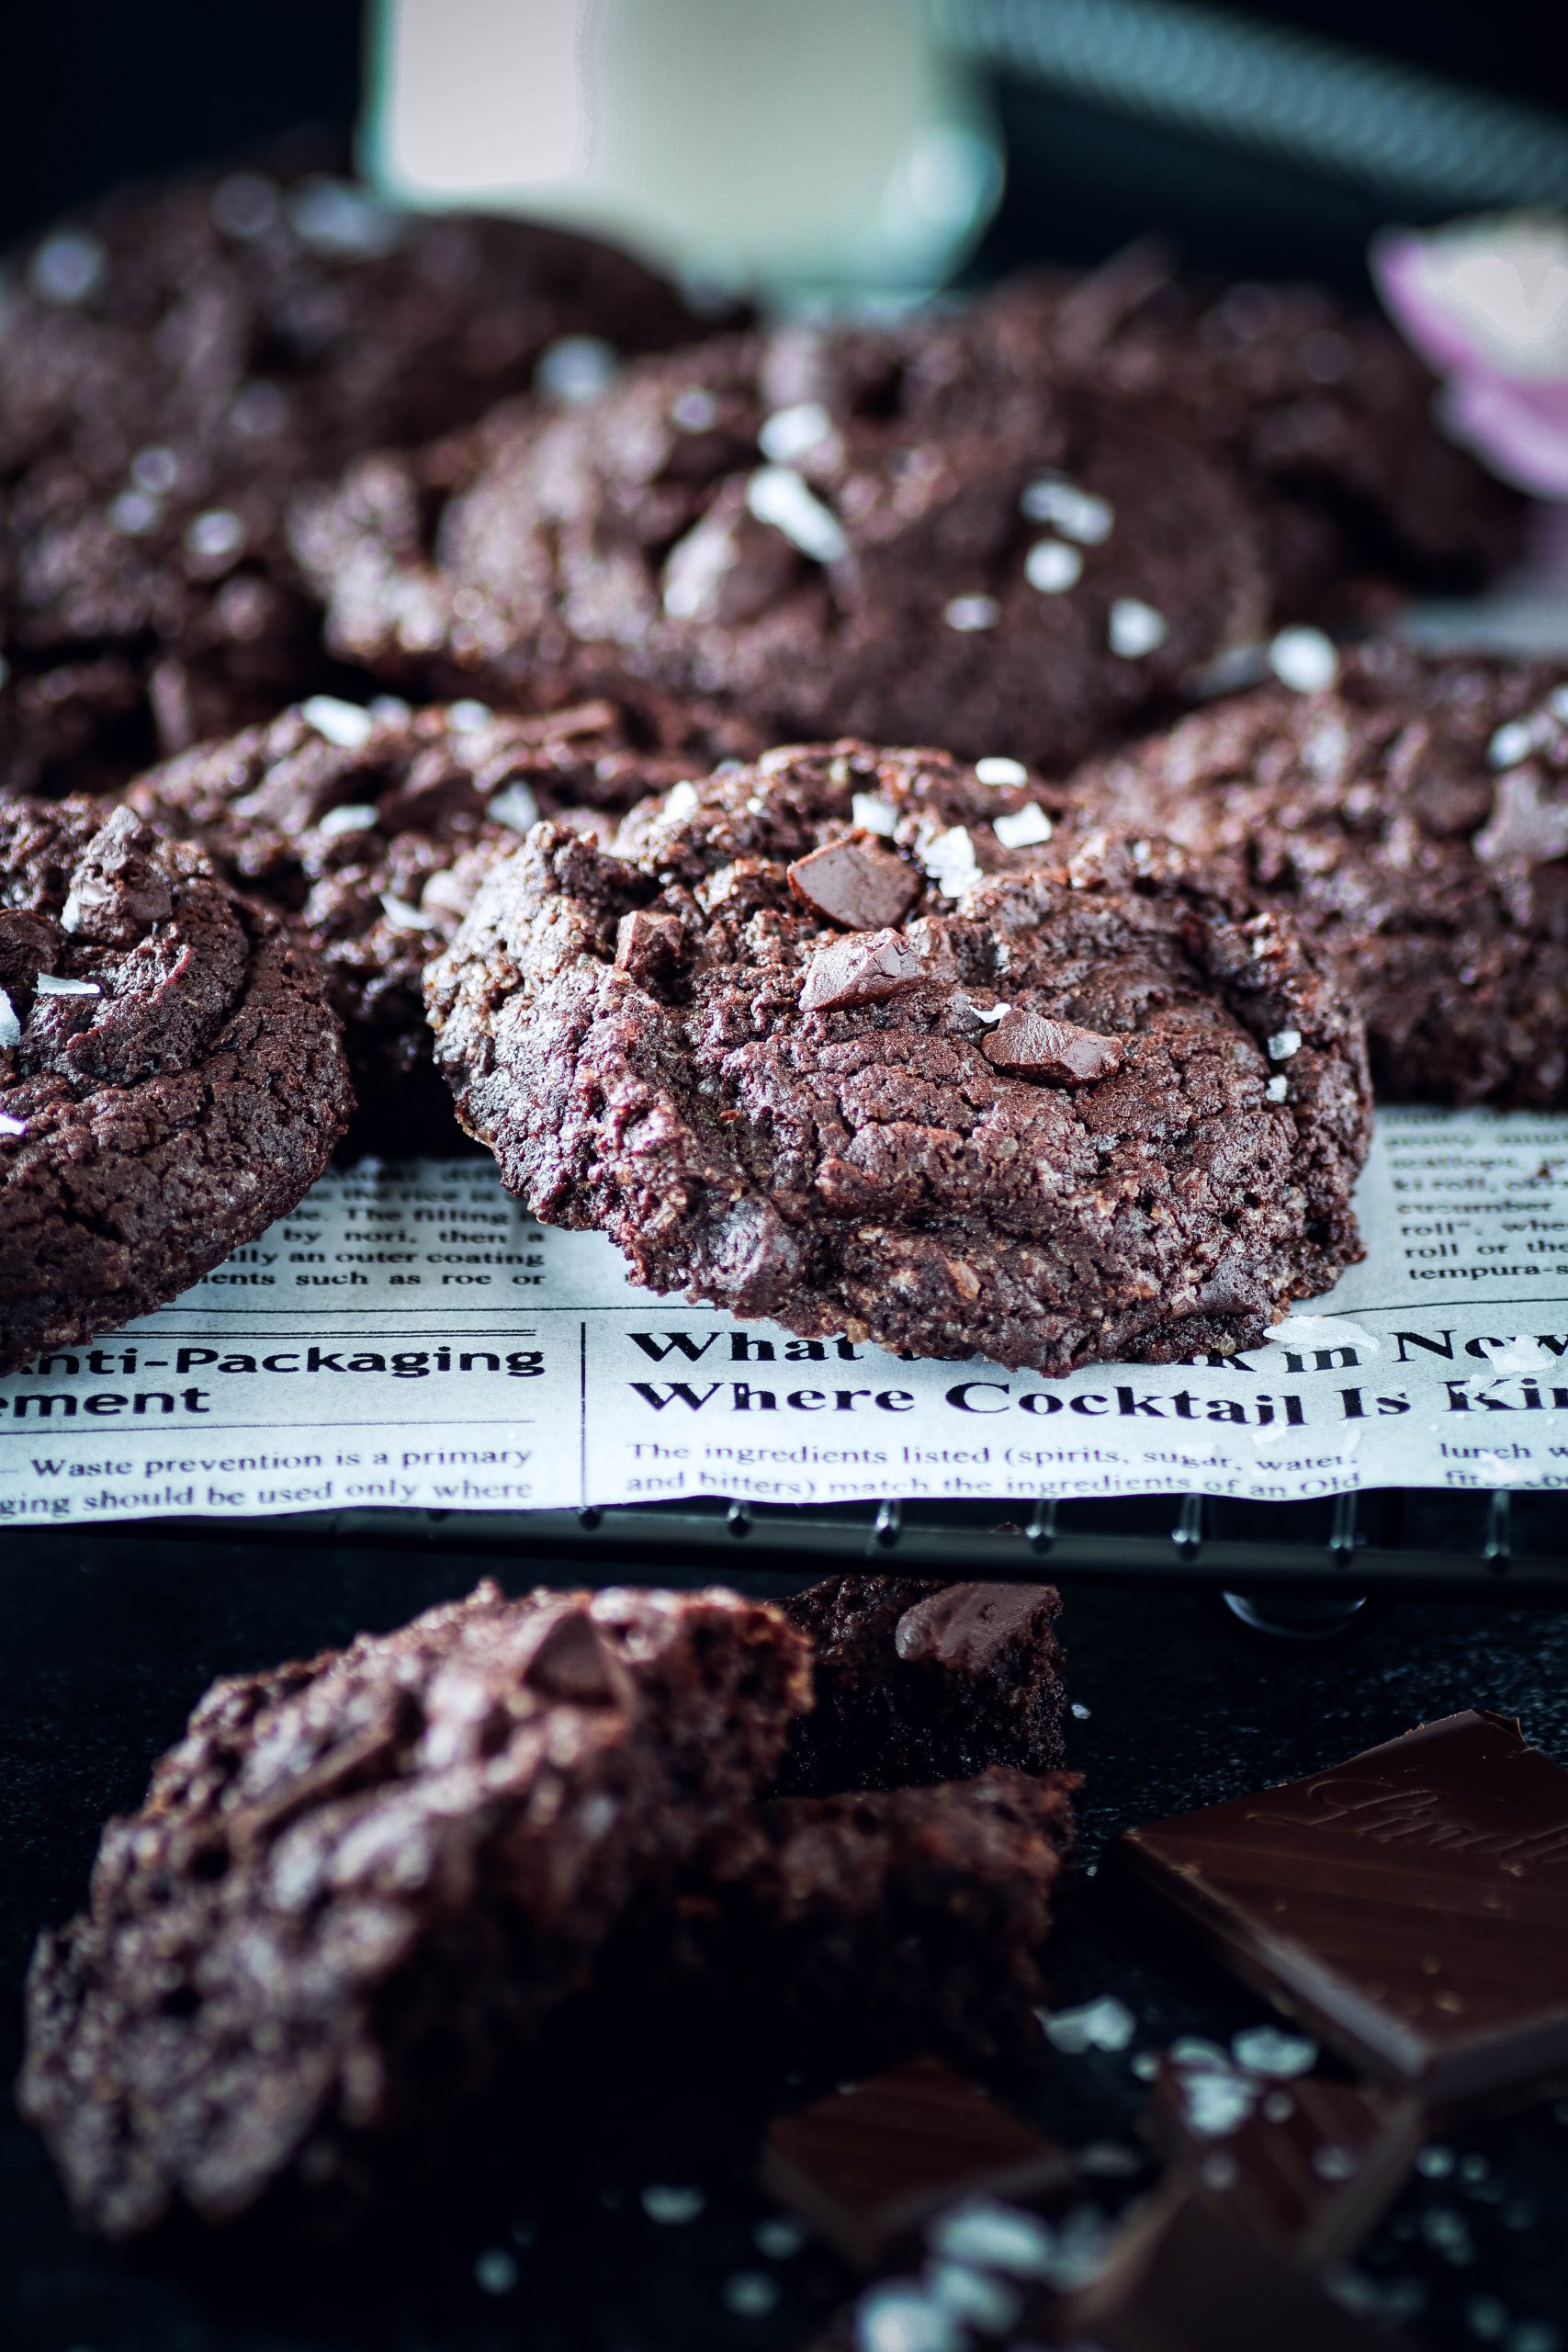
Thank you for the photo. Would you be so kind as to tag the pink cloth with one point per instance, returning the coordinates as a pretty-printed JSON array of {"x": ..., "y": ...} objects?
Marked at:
[{"x": 1486, "y": 303}]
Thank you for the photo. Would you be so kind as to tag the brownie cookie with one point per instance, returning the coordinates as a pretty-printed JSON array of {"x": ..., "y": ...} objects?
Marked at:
[
  {"x": 1089, "y": 1109},
  {"x": 1326, "y": 412},
  {"x": 359, "y": 1883},
  {"x": 919, "y": 1680},
  {"x": 174, "y": 363},
  {"x": 893, "y": 533},
  {"x": 172, "y": 1076},
  {"x": 875, "y": 1923},
  {"x": 364, "y": 825},
  {"x": 1412, "y": 814}
]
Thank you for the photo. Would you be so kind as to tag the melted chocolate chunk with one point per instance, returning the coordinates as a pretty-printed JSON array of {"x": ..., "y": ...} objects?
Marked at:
[
  {"x": 1028, "y": 1045},
  {"x": 1309, "y": 2167},
  {"x": 869, "y": 970},
  {"x": 855, "y": 883},
  {"x": 1410, "y": 1903},
  {"x": 118, "y": 892},
  {"x": 867, "y": 2167},
  {"x": 967, "y": 1628}
]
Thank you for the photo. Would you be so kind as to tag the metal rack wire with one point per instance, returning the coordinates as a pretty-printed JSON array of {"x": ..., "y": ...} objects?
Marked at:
[{"x": 1464, "y": 1543}]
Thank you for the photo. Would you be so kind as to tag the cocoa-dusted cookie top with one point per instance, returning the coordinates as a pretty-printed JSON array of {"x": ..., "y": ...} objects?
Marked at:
[
  {"x": 1327, "y": 410},
  {"x": 174, "y": 362},
  {"x": 361, "y": 1881},
  {"x": 898, "y": 533},
  {"x": 365, "y": 825},
  {"x": 172, "y": 1075},
  {"x": 1093, "y": 1107},
  {"x": 1412, "y": 813}
]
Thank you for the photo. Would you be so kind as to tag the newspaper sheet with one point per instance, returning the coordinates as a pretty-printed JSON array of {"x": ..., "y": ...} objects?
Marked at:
[{"x": 408, "y": 1336}]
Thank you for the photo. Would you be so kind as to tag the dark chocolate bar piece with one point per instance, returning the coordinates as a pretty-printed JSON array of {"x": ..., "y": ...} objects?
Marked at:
[
  {"x": 866, "y": 2167},
  {"x": 1181, "y": 2278},
  {"x": 1308, "y": 2166},
  {"x": 918, "y": 1681},
  {"x": 1411, "y": 1905}
]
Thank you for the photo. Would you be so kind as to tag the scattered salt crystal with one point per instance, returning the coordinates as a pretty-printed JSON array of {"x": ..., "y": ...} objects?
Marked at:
[
  {"x": 1214, "y": 2104},
  {"x": 1105, "y": 2024},
  {"x": 386, "y": 709},
  {"x": 1304, "y": 660},
  {"x": 898, "y": 2318},
  {"x": 47, "y": 985},
  {"x": 10, "y": 1027},
  {"x": 1191, "y": 2050},
  {"x": 1077, "y": 514},
  {"x": 215, "y": 535},
  {"x": 790, "y": 432},
  {"x": 1027, "y": 826},
  {"x": 970, "y": 2295},
  {"x": 1265, "y": 2050},
  {"x": 1146, "y": 2065},
  {"x": 751, "y": 2293},
  {"x": 1283, "y": 1043},
  {"x": 342, "y": 723},
  {"x": 68, "y": 265},
  {"x": 968, "y": 613},
  {"x": 577, "y": 367},
  {"x": 1053, "y": 567},
  {"x": 354, "y": 817},
  {"x": 1511, "y": 744},
  {"x": 871, "y": 815},
  {"x": 1000, "y": 771},
  {"x": 778, "y": 2237},
  {"x": 495, "y": 2272},
  {"x": 133, "y": 514},
  {"x": 401, "y": 916},
  {"x": 665, "y": 2202},
  {"x": 1278, "y": 1090},
  {"x": 777, "y": 496},
  {"x": 984, "y": 2234},
  {"x": 680, "y": 800},
  {"x": 462, "y": 718},
  {"x": 514, "y": 805},
  {"x": 1078, "y": 1711},
  {"x": 1136, "y": 628},
  {"x": 951, "y": 862},
  {"x": 9, "y": 1126}
]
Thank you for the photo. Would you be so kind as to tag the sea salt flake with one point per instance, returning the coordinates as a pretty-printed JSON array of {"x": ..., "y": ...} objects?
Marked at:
[
  {"x": 577, "y": 367},
  {"x": 1000, "y": 771},
  {"x": 10, "y": 1027},
  {"x": 680, "y": 800},
  {"x": 514, "y": 806},
  {"x": 1079, "y": 1712},
  {"x": 134, "y": 514},
  {"x": 495, "y": 2271},
  {"x": 342, "y": 723},
  {"x": 1053, "y": 567},
  {"x": 47, "y": 984},
  {"x": 1304, "y": 660},
  {"x": 1105, "y": 2024},
  {"x": 951, "y": 862},
  {"x": 1265, "y": 2050},
  {"x": 898, "y": 2318},
  {"x": 9, "y": 1126},
  {"x": 1077, "y": 514},
  {"x": 778, "y": 2237},
  {"x": 1512, "y": 742},
  {"x": 1027, "y": 826},
  {"x": 668, "y": 2202},
  {"x": 216, "y": 535},
  {"x": 790, "y": 432},
  {"x": 970, "y": 2295},
  {"x": 1214, "y": 2104},
  {"x": 1283, "y": 1043},
  {"x": 354, "y": 817},
  {"x": 970, "y": 613},
  {"x": 401, "y": 916},
  {"x": 871, "y": 815},
  {"x": 1278, "y": 1090},
  {"x": 779, "y": 496},
  {"x": 462, "y": 718},
  {"x": 1136, "y": 628},
  {"x": 984, "y": 2234},
  {"x": 751, "y": 2293}
]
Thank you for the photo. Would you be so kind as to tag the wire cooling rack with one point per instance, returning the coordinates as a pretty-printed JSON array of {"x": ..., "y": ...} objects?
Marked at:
[{"x": 1459, "y": 1543}]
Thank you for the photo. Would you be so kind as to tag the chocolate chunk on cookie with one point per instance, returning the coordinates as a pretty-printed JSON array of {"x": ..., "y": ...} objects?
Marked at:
[
  {"x": 1326, "y": 412},
  {"x": 896, "y": 533},
  {"x": 360, "y": 1883},
  {"x": 1411, "y": 813},
  {"x": 172, "y": 1075},
  {"x": 795, "y": 1122},
  {"x": 176, "y": 361},
  {"x": 916, "y": 1681},
  {"x": 368, "y": 827}
]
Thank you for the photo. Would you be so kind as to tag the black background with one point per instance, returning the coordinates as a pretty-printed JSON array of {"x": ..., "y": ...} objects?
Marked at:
[{"x": 107, "y": 1640}]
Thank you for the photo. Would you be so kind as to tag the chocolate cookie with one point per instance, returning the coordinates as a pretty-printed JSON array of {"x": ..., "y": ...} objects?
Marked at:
[
  {"x": 1412, "y": 815},
  {"x": 174, "y": 363},
  {"x": 897, "y": 534},
  {"x": 1094, "y": 1108},
  {"x": 364, "y": 825},
  {"x": 919, "y": 1680},
  {"x": 359, "y": 1883},
  {"x": 1326, "y": 412},
  {"x": 172, "y": 1076}
]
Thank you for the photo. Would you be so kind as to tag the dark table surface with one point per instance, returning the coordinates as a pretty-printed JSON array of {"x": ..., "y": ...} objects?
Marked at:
[{"x": 108, "y": 1640}]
